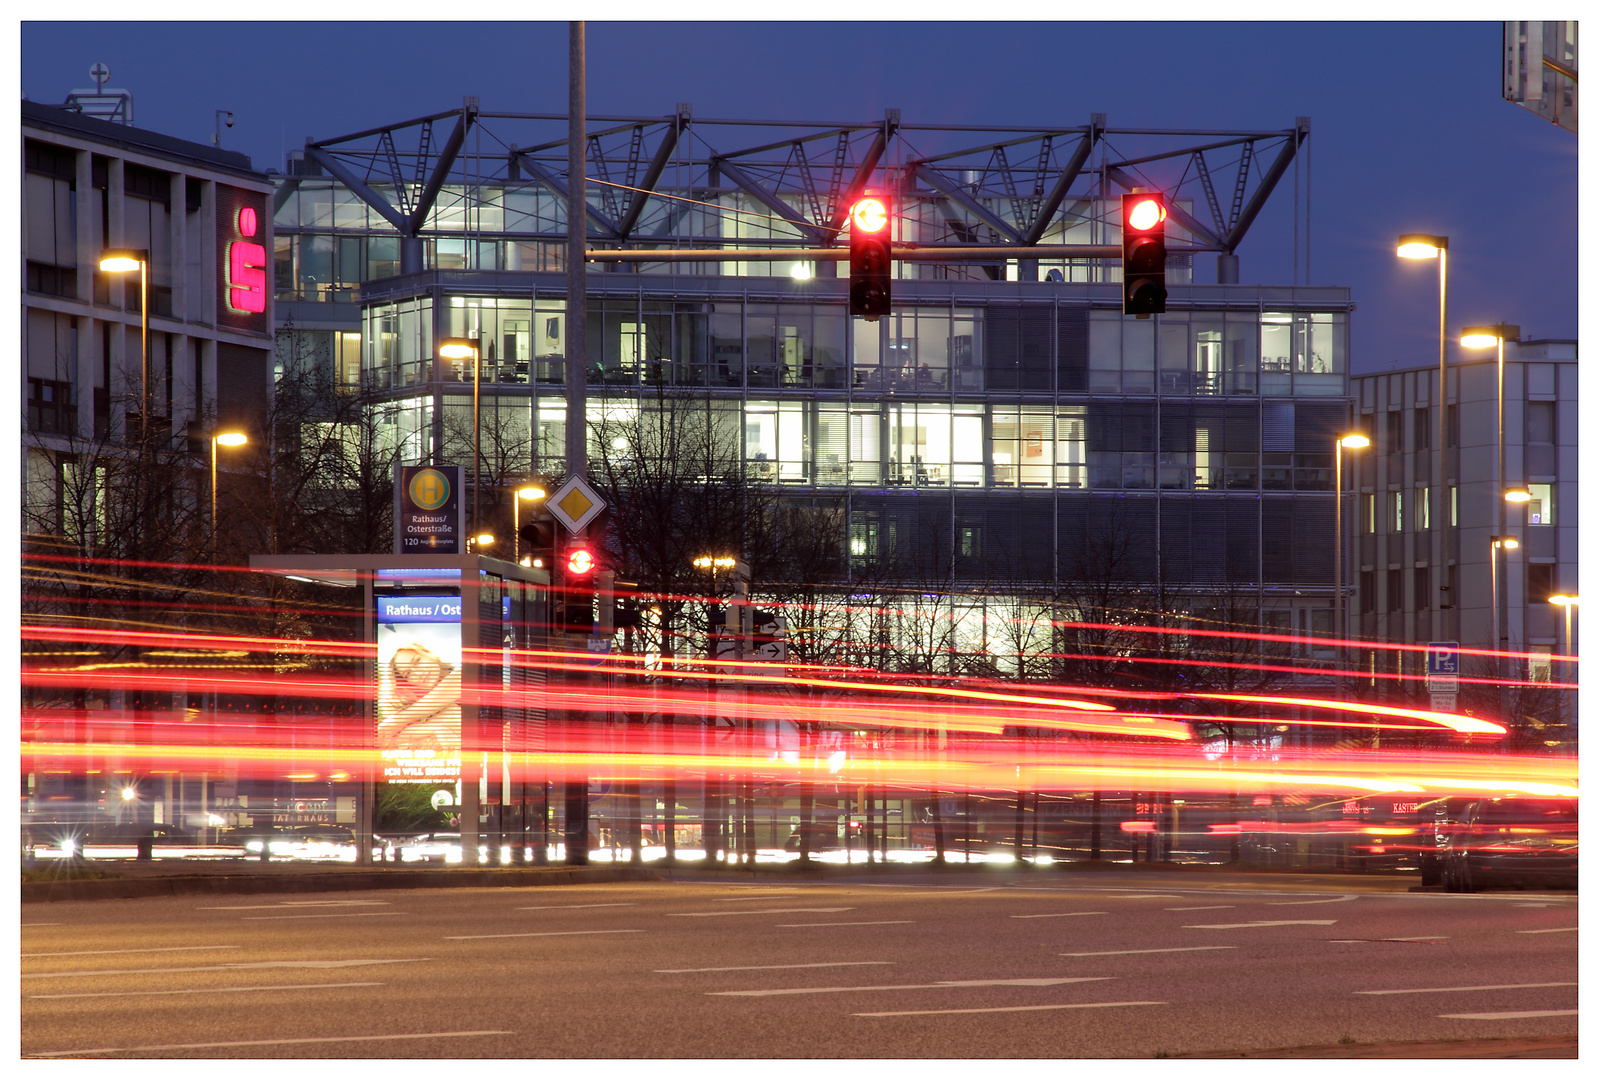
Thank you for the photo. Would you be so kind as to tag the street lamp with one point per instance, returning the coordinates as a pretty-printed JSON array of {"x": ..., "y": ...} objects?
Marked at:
[
  {"x": 1353, "y": 441},
  {"x": 1425, "y": 246},
  {"x": 532, "y": 493},
  {"x": 125, "y": 261},
  {"x": 1507, "y": 543},
  {"x": 1567, "y": 602},
  {"x": 467, "y": 349},
  {"x": 220, "y": 438},
  {"x": 1484, "y": 337}
]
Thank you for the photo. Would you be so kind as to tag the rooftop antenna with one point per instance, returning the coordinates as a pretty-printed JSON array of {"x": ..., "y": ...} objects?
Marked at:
[
  {"x": 101, "y": 103},
  {"x": 100, "y": 74}
]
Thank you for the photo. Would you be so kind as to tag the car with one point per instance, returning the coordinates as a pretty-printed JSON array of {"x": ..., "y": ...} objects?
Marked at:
[
  {"x": 1510, "y": 840},
  {"x": 438, "y": 847}
]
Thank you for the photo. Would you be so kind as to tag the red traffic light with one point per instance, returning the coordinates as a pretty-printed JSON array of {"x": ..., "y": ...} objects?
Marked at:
[
  {"x": 869, "y": 214},
  {"x": 1143, "y": 254},
  {"x": 1145, "y": 213},
  {"x": 580, "y": 561}
]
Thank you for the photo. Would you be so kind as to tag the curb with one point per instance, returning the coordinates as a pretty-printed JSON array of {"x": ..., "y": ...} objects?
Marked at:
[{"x": 200, "y": 884}]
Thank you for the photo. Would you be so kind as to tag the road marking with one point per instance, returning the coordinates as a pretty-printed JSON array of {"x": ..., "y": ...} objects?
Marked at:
[
  {"x": 947, "y": 985},
  {"x": 298, "y": 903},
  {"x": 319, "y": 965},
  {"x": 537, "y": 933},
  {"x": 331, "y": 915},
  {"x": 1297, "y": 903},
  {"x": 775, "y": 967},
  {"x": 1207, "y": 907},
  {"x": 1146, "y": 896},
  {"x": 1466, "y": 989},
  {"x": 763, "y": 911},
  {"x": 1060, "y": 914},
  {"x": 1532, "y": 905},
  {"x": 1556, "y": 930},
  {"x": 880, "y": 922},
  {"x": 28, "y": 924},
  {"x": 209, "y": 990},
  {"x": 1507, "y": 1015},
  {"x": 1017, "y": 1008},
  {"x": 1429, "y": 939},
  {"x": 572, "y": 907},
  {"x": 264, "y": 1042},
  {"x": 1137, "y": 952},
  {"x": 1254, "y": 925},
  {"x": 757, "y": 896},
  {"x": 107, "y": 952}
]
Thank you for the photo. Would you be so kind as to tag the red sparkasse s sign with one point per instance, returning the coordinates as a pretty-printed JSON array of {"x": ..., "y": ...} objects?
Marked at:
[{"x": 242, "y": 266}]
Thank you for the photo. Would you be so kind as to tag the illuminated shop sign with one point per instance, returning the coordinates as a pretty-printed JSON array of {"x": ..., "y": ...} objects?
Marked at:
[
  {"x": 242, "y": 231},
  {"x": 246, "y": 266}
]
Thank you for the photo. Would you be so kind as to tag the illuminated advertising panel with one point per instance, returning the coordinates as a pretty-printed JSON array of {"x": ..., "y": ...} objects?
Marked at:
[{"x": 419, "y": 688}]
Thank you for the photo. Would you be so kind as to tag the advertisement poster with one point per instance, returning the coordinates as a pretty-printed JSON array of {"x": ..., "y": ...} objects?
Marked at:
[{"x": 419, "y": 688}]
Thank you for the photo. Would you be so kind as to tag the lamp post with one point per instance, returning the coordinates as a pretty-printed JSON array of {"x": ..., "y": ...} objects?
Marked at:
[
  {"x": 220, "y": 438},
  {"x": 1507, "y": 543},
  {"x": 1425, "y": 246},
  {"x": 1353, "y": 441},
  {"x": 1567, "y": 602},
  {"x": 467, "y": 349},
  {"x": 124, "y": 261},
  {"x": 532, "y": 493}
]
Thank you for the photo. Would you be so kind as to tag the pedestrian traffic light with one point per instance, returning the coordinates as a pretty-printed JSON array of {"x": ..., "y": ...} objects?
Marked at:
[
  {"x": 869, "y": 258},
  {"x": 1143, "y": 254}
]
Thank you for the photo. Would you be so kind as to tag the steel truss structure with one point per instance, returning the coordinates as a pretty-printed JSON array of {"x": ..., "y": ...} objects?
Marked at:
[{"x": 679, "y": 188}]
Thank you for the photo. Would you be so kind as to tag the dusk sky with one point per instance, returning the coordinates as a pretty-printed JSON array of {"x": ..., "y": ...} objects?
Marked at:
[{"x": 1408, "y": 129}]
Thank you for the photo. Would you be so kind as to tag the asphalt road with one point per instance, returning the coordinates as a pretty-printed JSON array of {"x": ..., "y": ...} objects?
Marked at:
[{"x": 950, "y": 966}]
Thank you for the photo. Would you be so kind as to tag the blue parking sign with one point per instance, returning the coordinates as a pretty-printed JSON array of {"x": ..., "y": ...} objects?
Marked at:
[{"x": 1443, "y": 658}]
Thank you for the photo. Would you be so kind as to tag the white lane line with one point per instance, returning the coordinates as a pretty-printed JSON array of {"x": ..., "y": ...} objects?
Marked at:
[
  {"x": 762, "y": 911},
  {"x": 28, "y": 924},
  {"x": 572, "y": 907},
  {"x": 208, "y": 990},
  {"x": 947, "y": 985},
  {"x": 747, "y": 899},
  {"x": 1146, "y": 896},
  {"x": 108, "y": 952},
  {"x": 263, "y": 1042},
  {"x": 538, "y": 933},
  {"x": 280, "y": 905},
  {"x": 1060, "y": 914},
  {"x": 1206, "y": 907},
  {"x": 1017, "y": 1008},
  {"x": 1298, "y": 903},
  {"x": 776, "y": 967},
  {"x": 879, "y": 922},
  {"x": 1139, "y": 952},
  {"x": 262, "y": 965},
  {"x": 1255, "y": 925},
  {"x": 1507, "y": 1015},
  {"x": 334, "y": 915},
  {"x": 1435, "y": 939},
  {"x": 1532, "y": 905},
  {"x": 1467, "y": 989},
  {"x": 1556, "y": 930}
]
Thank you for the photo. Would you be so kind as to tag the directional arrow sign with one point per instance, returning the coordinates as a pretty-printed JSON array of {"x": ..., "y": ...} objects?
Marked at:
[{"x": 575, "y": 504}]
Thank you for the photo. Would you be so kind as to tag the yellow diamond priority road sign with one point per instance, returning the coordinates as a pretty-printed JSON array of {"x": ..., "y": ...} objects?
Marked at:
[{"x": 575, "y": 504}]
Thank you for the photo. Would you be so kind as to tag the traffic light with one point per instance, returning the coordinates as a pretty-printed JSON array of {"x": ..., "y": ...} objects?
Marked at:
[
  {"x": 869, "y": 258},
  {"x": 576, "y": 606},
  {"x": 1143, "y": 254},
  {"x": 538, "y": 542}
]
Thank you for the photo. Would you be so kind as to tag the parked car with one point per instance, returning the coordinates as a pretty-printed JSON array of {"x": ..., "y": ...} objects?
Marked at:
[
  {"x": 1513, "y": 840},
  {"x": 438, "y": 847}
]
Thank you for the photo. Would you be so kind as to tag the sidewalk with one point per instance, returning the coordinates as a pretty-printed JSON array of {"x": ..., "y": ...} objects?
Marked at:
[{"x": 131, "y": 879}]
